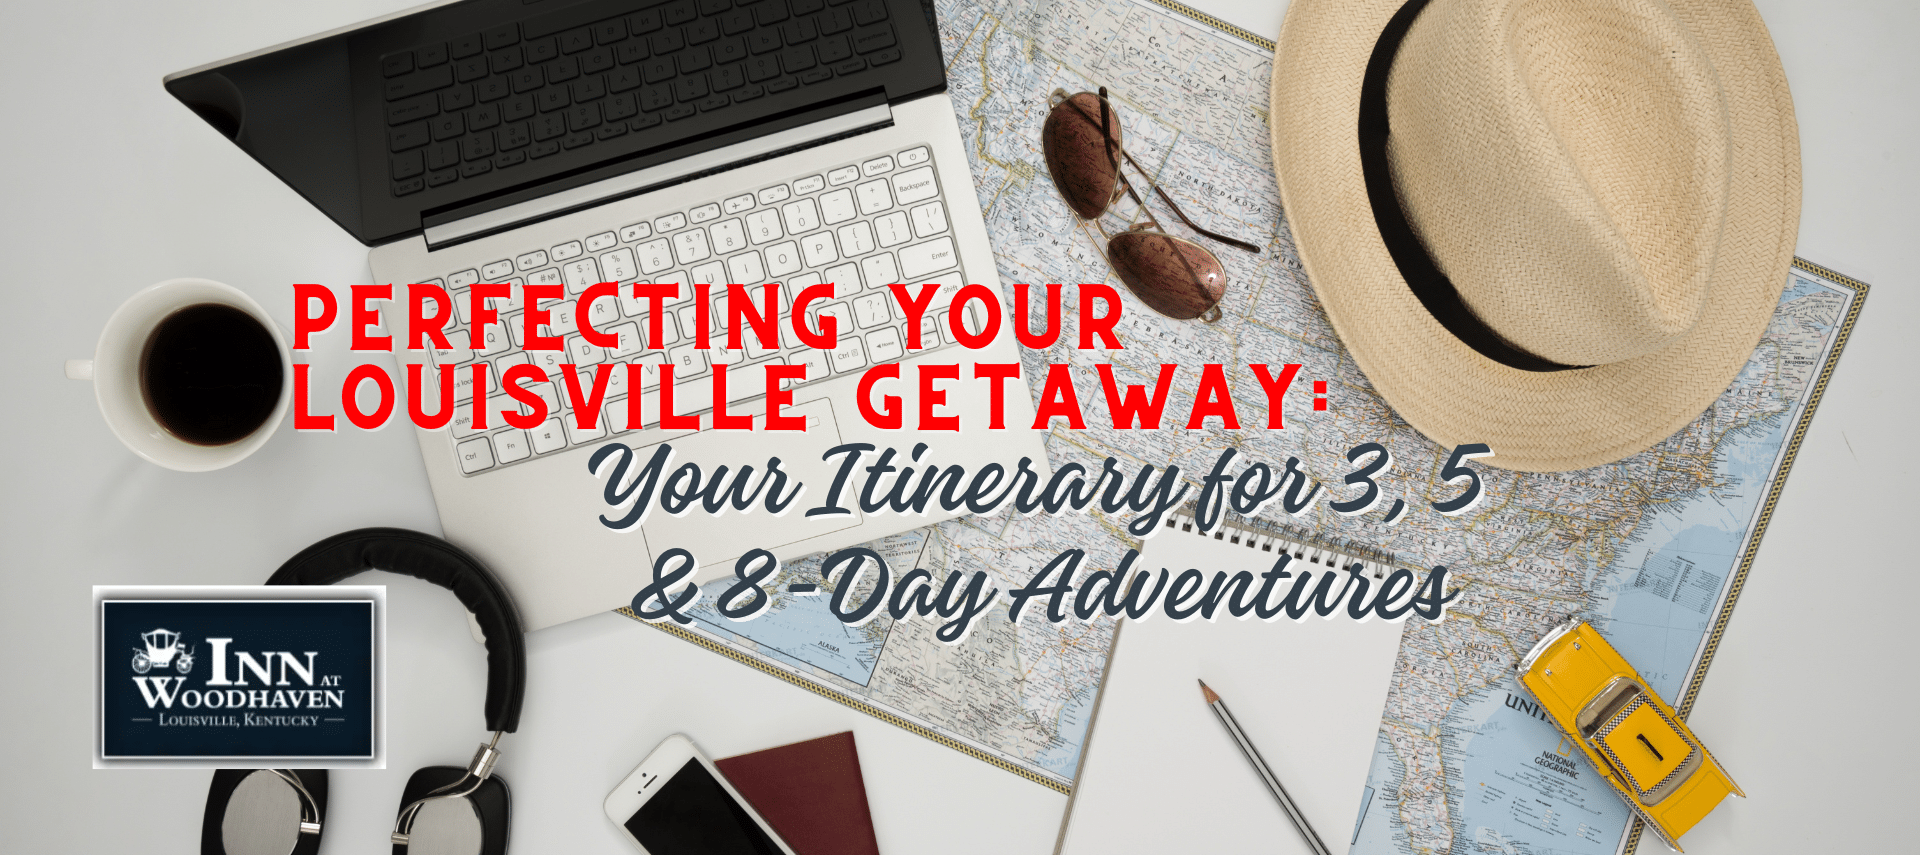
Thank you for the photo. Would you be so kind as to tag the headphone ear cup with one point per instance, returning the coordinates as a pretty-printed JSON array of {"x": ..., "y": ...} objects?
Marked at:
[
  {"x": 477, "y": 824},
  {"x": 256, "y": 812}
]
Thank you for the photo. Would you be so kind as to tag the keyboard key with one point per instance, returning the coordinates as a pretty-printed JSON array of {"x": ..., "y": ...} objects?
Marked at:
[
  {"x": 746, "y": 269},
  {"x": 531, "y": 260},
  {"x": 763, "y": 226},
  {"x": 655, "y": 256},
  {"x": 921, "y": 259},
  {"x": 884, "y": 345},
  {"x": 420, "y": 81},
  {"x": 869, "y": 11},
  {"x": 879, "y": 270},
  {"x": 495, "y": 38},
  {"x": 596, "y": 243},
  {"x": 915, "y": 185},
  {"x": 580, "y": 275},
  {"x": 929, "y": 219},
  {"x": 670, "y": 222},
  {"x": 711, "y": 273},
  {"x": 849, "y": 355},
  {"x": 893, "y": 229},
  {"x": 495, "y": 341},
  {"x": 474, "y": 455},
  {"x": 509, "y": 158},
  {"x": 457, "y": 351},
  {"x": 776, "y": 193},
  {"x": 870, "y": 310},
  {"x": 801, "y": 216},
  {"x": 548, "y": 437},
  {"x": 874, "y": 196},
  {"x": 819, "y": 250},
  {"x": 729, "y": 236},
  {"x": 462, "y": 279},
  {"x": 584, "y": 354},
  {"x": 837, "y": 207},
  {"x": 691, "y": 246},
  {"x": 704, "y": 213},
  {"x": 510, "y": 445},
  {"x": 629, "y": 234},
  {"x": 687, "y": 362},
  {"x": 549, "y": 276},
  {"x": 870, "y": 39},
  {"x": 856, "y": 239},
  {"x": 810, "y": 184},
  {"x": 833, "y": 49},
  {"x": 409, "y": 136},
  {"x": 783, "y": 259},
  {"x": 568, "y": 250},
  {"x": 408, "y": 165},
  {"x": 914, "y": 156},
  {"x": 843, "y": 175},
  {"x": 463, "y": 381},
  {"x": 578, "y": 435},
  {"x": 883, "y": 57},
  {"x": 619, "y": 265},
  {"x": 814, "y": 360},
  {"x": 497, "y": 271},
  {"x": 412, "y": 109}
]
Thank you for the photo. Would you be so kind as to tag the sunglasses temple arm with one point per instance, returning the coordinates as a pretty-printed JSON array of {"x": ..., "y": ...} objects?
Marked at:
[{"x": 1233, "y": 242}]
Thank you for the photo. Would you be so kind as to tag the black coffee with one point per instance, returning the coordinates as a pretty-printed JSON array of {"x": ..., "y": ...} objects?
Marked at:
[{"x": 210, "y": 374}]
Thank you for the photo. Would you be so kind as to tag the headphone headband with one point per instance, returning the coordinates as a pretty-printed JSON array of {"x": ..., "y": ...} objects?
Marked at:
[{"x": 424, "y": 556}]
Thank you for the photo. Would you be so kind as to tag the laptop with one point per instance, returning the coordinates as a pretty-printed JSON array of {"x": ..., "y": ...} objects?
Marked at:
[{"x": 701, "y": 142}]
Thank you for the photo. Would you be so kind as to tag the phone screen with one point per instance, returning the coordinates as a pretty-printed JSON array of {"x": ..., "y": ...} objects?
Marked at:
[{"x": 693, "y": 814}]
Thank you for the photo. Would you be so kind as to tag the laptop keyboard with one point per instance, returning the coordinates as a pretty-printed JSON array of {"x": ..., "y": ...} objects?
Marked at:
[
  {"x": 495, "y": 99},
  {"x": 860, "y": 226}
]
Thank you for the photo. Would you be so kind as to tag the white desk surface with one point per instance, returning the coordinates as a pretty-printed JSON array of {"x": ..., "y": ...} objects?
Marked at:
[{"x": 110, "y": 185}]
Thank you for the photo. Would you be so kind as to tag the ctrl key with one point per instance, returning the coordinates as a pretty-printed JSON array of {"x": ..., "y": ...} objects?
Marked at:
[{"x": 474, "y": 455}]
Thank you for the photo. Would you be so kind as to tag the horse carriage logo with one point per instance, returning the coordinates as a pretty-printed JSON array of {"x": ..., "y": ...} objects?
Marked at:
[{"x": 162, "y": 650}]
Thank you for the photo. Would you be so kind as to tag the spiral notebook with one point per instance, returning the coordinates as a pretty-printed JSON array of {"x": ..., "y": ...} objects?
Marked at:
[{"x": 1160, "y": 774}]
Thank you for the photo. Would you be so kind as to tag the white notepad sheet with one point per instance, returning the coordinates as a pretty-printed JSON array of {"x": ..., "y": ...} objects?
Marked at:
[{"x": 1162, "y": 775}]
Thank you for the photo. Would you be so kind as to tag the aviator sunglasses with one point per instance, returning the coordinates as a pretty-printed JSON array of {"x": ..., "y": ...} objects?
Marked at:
[{"x": 1172, "y": 275}]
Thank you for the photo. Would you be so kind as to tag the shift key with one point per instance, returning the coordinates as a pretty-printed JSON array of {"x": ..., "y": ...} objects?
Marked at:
[
  {"x": 420, "y": 81},
  {"x": 931, "y": 257}
]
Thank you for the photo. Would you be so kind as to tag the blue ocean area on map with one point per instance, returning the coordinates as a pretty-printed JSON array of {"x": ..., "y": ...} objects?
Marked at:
[
  {"x": 800, "y": 631},
  {"x": 1656, "y": 600}
]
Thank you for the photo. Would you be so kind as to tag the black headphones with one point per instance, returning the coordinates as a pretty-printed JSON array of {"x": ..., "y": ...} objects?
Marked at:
[{"x": 443, "y": 808}]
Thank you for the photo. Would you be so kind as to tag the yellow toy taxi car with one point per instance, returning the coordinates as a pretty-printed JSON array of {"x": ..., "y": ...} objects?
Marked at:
[{"x": 1637, "y": 742}]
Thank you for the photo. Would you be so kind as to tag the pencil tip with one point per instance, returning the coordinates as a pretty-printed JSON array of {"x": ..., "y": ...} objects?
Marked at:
[{"x": 1208, "y": 693}]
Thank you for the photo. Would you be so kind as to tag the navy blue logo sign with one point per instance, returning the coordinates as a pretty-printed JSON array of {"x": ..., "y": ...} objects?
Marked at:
[{"x": 239, "y": 679}]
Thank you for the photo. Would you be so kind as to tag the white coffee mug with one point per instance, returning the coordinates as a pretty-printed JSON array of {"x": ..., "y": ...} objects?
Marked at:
[{"x": 115, "y": 372}]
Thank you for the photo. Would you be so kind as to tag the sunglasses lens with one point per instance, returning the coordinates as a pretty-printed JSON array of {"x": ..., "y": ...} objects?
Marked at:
[
  {"x": 1174, "y": 277},
  {"x": 1080, "y": 163}
]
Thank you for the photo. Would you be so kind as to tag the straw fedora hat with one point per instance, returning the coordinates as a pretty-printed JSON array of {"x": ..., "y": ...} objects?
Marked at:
[{"x": 1557, "y": 227}]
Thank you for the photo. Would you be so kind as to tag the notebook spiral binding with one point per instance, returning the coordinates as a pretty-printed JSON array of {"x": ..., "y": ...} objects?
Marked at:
[{"x": 1266, "y": 536}]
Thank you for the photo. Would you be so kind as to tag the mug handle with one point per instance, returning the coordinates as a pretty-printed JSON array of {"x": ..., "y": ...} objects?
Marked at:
[{"x": 79, "y": 369}]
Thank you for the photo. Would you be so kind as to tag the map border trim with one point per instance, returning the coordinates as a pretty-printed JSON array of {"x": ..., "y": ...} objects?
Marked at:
[
  {"x": 1211, "y": 21},
  {"x": 1845, "y": 331}
]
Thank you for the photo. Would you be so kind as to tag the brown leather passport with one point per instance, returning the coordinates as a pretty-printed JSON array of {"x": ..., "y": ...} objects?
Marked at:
[{"x": 810, "y": 792}]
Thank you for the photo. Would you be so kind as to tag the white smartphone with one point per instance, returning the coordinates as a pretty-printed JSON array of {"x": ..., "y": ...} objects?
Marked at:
[{"x": 676, "y": 803}]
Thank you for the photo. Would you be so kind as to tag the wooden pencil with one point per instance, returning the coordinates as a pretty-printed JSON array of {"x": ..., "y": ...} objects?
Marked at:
[{"x": 1252, "y": 754}]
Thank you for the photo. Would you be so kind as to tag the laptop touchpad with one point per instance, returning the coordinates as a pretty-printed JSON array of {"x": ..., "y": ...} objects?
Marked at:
[{"x": 718, "y": 539}]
